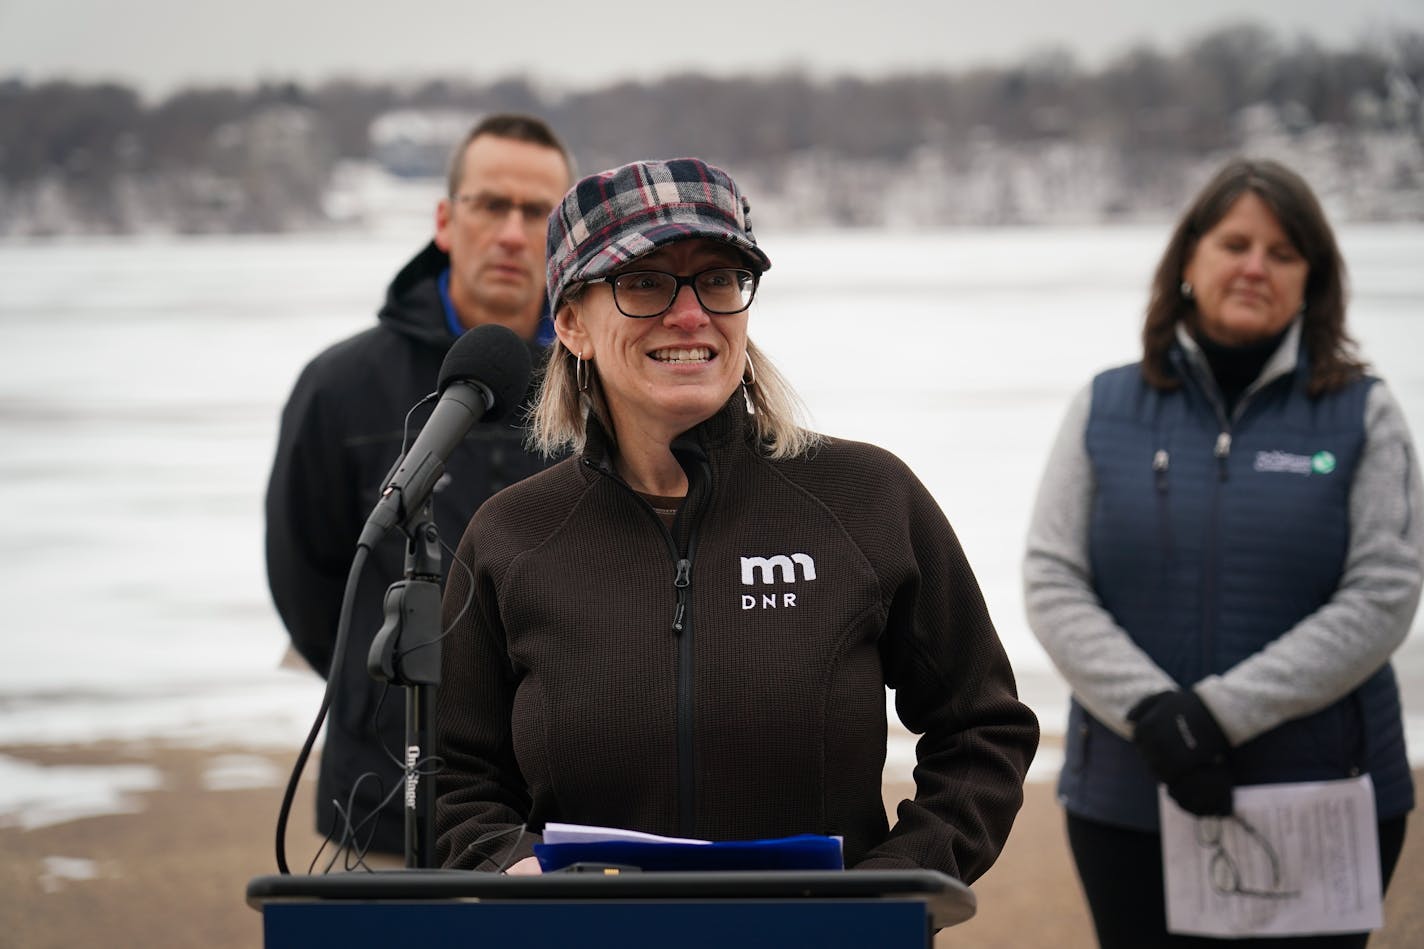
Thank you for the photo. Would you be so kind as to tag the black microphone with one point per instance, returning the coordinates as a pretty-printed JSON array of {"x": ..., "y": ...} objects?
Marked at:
[{"x": 484, "y": 376}]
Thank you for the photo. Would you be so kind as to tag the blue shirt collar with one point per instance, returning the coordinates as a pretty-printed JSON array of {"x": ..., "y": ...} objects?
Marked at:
[{"x": 544, "y": 335}]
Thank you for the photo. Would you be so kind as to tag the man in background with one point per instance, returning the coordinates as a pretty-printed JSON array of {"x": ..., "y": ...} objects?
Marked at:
[{"x": 341, "y": 432}]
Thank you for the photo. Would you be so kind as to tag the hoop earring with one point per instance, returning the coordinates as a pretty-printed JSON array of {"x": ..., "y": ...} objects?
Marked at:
[
  {"x": 580, "y": 372},
  {"x": 749, "y": 376},
  {"x": 1186, "y": 289}
]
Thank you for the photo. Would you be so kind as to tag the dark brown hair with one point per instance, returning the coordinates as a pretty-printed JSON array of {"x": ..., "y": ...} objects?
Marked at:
[
  {"x": 1333, "y": 362},
  {"x": 510, "y": 125}
]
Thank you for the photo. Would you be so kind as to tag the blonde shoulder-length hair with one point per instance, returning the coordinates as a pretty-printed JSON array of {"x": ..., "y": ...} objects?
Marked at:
[{"x": 559, "y": 418}]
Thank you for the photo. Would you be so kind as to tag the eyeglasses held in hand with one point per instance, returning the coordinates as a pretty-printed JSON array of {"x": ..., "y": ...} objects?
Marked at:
[
  {"x": 1225, "y": 874},
  {"x": 495, "y": 208},
  {"x": 643, "y": 294}
]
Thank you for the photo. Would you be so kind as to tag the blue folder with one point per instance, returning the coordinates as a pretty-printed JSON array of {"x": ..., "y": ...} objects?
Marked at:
[{"x": 802, "y": 852}]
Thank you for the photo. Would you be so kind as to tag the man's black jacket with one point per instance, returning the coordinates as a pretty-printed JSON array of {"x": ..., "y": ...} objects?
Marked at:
[{"x": 341, "y": 432}]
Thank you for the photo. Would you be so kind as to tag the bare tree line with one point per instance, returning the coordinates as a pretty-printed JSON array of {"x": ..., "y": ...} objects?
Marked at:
[{"x": 1044, "y": 140}]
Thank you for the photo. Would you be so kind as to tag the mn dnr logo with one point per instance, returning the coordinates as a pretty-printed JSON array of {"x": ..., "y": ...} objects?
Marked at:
[
  {"x": 766, "y": 571},
  {"x": 1284, "y": 462}
]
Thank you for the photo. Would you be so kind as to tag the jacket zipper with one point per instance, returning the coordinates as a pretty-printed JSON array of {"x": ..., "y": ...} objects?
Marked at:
[
  {"x": 681, "y": 582},
  {"x": 686, "y": 772},
  {"x": 698, "y": 497},
  {"x": 682, "y": 629}
]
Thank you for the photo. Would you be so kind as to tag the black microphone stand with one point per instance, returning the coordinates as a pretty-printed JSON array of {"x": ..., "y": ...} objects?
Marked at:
[{"x": 406, "y": 652}]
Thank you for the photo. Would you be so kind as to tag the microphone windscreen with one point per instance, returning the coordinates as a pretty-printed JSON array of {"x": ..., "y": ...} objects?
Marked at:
[{"x": 495, "y": 356}]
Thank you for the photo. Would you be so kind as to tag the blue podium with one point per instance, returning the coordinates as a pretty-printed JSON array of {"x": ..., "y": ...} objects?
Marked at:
[{"x": 422, "y": 909}]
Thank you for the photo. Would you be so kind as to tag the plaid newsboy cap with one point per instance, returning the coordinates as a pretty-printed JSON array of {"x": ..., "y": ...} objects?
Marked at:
[{"x": 612, "y": 217}]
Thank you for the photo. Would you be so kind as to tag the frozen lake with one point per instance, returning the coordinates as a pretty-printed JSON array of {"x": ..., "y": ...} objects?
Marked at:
[{"x": 142, "y": 382}]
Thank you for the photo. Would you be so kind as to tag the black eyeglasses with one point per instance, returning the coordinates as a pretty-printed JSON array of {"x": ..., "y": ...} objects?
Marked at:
[
  {"x": 1225, "y": 874},
  {"x": 643, "y": 294},
  {"x": 495, "y": 208}
]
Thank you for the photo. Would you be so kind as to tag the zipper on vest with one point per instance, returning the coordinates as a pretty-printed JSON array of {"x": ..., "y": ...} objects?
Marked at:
[
  {"x": 1222, "y": 452},
  {"x": 1160, "y": 462},
  {"x": 1211, "y": 580}
]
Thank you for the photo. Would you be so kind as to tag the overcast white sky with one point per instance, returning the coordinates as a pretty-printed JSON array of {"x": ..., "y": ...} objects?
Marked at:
[{"x": 158, "y": 45}]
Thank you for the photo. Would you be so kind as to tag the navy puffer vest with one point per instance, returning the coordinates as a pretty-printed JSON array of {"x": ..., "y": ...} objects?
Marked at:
[{"x": 1206, "y": 543}]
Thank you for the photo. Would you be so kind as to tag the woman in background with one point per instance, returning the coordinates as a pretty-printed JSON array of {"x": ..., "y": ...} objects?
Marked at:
[{"x": 1225, "y": 550}]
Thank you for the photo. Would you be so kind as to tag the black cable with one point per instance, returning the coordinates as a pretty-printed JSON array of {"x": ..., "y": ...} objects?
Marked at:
[
  {"x": 514, "y": 849},
  {"x": 464, "y": 607},
  {"x": 343, "y": 627},
  {"x": 480, "y": 846},
  {"x": 348, "y": 840},
  {"x": 405, "y": 430}
]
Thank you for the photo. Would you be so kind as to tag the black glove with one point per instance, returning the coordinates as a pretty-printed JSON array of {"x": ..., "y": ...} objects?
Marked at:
[{"x": 1185, "y": 749}]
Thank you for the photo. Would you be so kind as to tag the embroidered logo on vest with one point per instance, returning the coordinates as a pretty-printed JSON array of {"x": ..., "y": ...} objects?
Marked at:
[{"x": 1283, "y": 462}]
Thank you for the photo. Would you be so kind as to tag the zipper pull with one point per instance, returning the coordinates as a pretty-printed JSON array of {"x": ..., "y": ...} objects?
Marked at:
[
  {"x": 1159, "y": 466},
  {"x": 1222, "y": 452},
  {"x": 682, "y": 581}
]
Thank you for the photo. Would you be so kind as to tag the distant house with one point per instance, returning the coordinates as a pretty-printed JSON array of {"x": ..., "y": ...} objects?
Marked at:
[{"x": 416, "y": 143}]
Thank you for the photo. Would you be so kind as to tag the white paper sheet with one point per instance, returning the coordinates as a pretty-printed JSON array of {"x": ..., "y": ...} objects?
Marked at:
[
  {"x": 557, "y": 833},
  {"x": 1293, "y": 859}
]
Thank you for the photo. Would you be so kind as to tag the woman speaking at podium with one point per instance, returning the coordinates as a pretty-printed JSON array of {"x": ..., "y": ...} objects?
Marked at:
[{"x": 687, "y": 627}]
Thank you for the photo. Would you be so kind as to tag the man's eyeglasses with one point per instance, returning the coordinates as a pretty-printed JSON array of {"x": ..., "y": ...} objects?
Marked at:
[
  {"x": 495, "y": 208},
  {"x": 643, "y": 294},
  {"x": 1226, "y": 876}
]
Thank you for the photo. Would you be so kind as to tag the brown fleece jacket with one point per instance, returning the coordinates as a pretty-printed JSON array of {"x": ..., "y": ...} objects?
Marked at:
[{"x": 583, "y": 682}]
